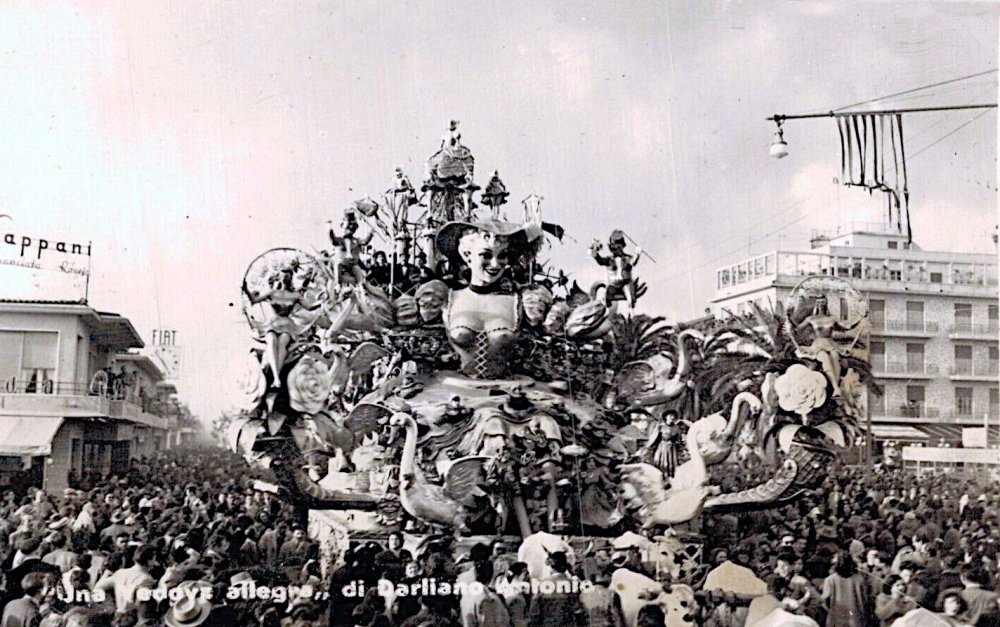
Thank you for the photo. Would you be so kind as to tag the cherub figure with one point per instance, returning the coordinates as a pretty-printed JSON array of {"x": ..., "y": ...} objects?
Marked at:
[
  {"x": 621, "y": 285},
  {"x": 345, "y": 259},
  {"x": 401, "y": 185}
]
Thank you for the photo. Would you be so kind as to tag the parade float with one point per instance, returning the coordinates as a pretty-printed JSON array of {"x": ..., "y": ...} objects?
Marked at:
[{"x": 427, "y": 373}]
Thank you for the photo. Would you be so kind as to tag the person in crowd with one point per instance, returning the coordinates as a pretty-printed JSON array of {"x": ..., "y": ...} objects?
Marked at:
[
  {"x": 893, "y": 603},
  {"x": 25, "y": 612},
  {"x": 982, "y": 603},
  {"x": 124, "y": 582},
  {"x": 480, "y": 606},
  {"x": 561, "y": 607},
  {"x": 845, "y": 592}
]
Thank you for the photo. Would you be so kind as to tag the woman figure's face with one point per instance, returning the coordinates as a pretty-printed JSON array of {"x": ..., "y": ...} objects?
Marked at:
[{"x": 486, "y": 255}]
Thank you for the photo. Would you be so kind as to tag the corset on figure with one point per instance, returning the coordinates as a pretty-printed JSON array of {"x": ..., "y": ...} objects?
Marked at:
[{"x": 483, "y": 328}]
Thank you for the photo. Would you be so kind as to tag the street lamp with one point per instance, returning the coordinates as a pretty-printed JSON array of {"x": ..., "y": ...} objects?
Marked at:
[{"x": 779, "y": 149}]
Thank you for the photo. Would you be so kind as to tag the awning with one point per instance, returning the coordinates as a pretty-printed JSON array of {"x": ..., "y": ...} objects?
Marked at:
[
  {"x": 27, "y": 435},
  {"x": 897, "y": 432},
  {"x": 953, "y": 433}
]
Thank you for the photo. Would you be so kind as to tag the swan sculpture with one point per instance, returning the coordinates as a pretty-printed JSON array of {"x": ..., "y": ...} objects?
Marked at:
[
  {"x": 659, "y": 388},
  {"x": 645, "y": 485},
  {"x": 447, "y": 504},
  {"x": 709, "y": 441}
]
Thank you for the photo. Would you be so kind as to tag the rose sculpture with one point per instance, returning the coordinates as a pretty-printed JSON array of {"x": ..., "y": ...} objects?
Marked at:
[
  {"x": 252, "y": 383},
  {"x": 309, "y": 383},
  {"x": 800, "y": 390}
]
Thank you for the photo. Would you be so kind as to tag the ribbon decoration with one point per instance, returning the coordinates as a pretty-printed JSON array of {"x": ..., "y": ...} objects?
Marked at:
[{"x": 867, "y": 142}]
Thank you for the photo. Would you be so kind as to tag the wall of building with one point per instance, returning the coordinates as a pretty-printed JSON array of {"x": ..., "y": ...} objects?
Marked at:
[
  {"x": 61, "y": 461},
  {"x": 68, "y": 328}
]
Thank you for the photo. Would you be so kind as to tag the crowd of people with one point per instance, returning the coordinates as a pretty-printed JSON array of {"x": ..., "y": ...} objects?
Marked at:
[
  {"x": 869, "y": 547},
  {"x": 185, "y": 539},
  {"x": 178, "y": 541}
]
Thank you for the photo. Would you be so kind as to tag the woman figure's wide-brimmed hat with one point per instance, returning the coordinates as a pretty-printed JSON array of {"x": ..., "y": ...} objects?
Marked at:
[{"x": 522, "y": 237}]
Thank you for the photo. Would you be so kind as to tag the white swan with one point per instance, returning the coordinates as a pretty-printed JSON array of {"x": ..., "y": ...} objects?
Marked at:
[
  {"x": 687, "y": 492},
  {"x": 438, "y": 504}
]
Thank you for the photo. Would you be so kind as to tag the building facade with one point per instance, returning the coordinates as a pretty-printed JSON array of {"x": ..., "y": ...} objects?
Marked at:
[
  {"x": 935, "y": 325},
  {"x": 70, "y": 402}
]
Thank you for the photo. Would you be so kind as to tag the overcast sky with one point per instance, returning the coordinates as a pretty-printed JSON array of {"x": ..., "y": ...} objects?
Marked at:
[{"x": 184, "y": 138}]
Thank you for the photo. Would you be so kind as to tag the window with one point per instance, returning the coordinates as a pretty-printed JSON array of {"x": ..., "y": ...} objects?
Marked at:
[
  {"x": 914, "y": 401},
  {"x": 963, "y": 359},
  {"x": 895, "y": 275},
  {"x": 937, "y": 277},
  {"x": 994, "y": 363},
  {"x": 876, "y": 309},
  {"x": 893, "y": 245},
  {"x": 994, "y": 402},
  {"x": 914, "y": 357},
  {"x": 963, "y": 401},
  {"x": 994, "y": 318},
  {"x": 878, "y": 355},
  {"x": 29, "y": 358},
  {"x": 963, "y": 317},
  {"x": 915, "y": 315},
  {"x": 876, "y": 399}
]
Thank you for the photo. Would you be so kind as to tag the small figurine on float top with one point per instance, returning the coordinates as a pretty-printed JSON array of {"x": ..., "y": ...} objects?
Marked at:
[
  {"x": 621, "y": 285},
  {"x": 401, "y": 185},
  {"x": 495, "y": 195},
  {"x": 347, "y": 248}
]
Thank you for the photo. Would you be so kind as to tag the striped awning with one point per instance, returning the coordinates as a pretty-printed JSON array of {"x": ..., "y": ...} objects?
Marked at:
[{"x": 27, "y": 435}]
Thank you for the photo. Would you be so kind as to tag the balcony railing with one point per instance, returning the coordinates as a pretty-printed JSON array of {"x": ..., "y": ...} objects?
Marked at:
[
  {"x": 975, "y": 369},
  {"x": 903, "y": 367},
  {"x": 908, "y": 411},
  {"x": 968, "y": 328},
  {"x": 75, "y": 399},
  {"x": 45, "y": 387},
  {"x": 149, "y": 404},
  {"x": 889, "y": 267},
  {"x": 913, "y": 326}
]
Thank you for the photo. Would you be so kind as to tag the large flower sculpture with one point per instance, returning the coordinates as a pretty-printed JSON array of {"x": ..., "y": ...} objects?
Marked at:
[
  {"x": 800, "y": 390},
  {"x": 309, "y": 383},
  {"x": 252, "y": 383}
]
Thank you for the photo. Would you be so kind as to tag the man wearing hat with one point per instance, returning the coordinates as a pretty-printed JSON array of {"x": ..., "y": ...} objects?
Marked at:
[{"x": 192, "y": 607}]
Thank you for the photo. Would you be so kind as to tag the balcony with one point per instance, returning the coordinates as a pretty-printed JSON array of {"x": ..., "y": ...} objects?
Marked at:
[
  {"x": 972, "y": 416},
  {"x": 969, "y": 331},
  {"x": 71, "y": 400},
  {"x": 904, "y": 370},
  {"x": 904, "y": 328},
  {"x": 903, "y": 270},
  {"x": 965, "y": 370},
  {"x": 917, "y": 413}
]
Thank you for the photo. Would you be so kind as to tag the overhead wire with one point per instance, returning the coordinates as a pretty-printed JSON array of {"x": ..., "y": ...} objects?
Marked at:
[
  {"x": 916, "y": 89},
  {"x": 949, "y": 134}
]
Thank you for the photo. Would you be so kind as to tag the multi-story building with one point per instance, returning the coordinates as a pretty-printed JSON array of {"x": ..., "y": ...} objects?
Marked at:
[
  {"x": 70, "y": 400},
  {"x": 934, "y": 315}
]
